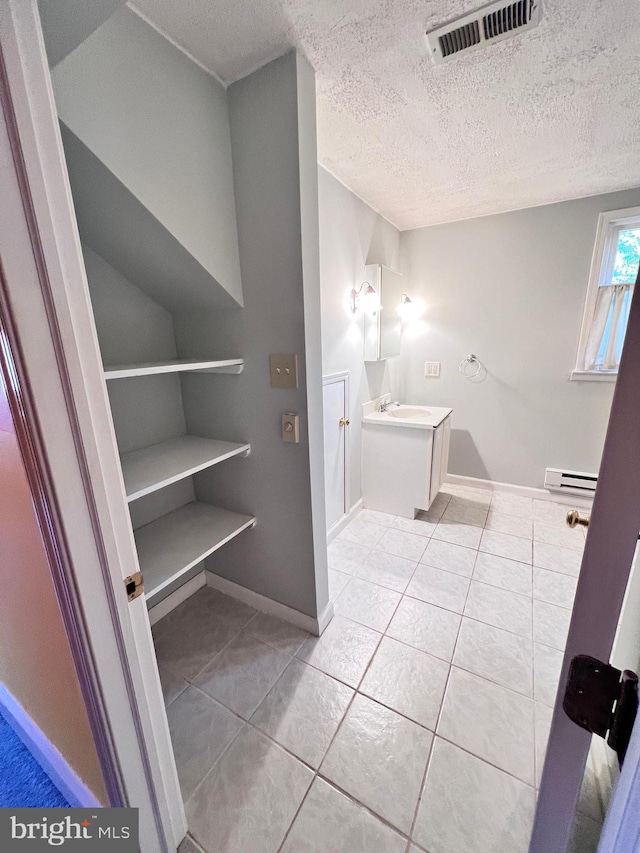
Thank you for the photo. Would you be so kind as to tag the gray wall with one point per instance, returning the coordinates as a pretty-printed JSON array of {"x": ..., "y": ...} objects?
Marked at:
[
  {"x": 123, "y": 231},
  {"x": 160, "y": 124},
  {"x": 511, "y": 289},
  {"x": 67, "y": 23},
  {"x": 351, "y": 236},
  {"x": 131, "y": 327},
  {"x": 270, "y": 113}
]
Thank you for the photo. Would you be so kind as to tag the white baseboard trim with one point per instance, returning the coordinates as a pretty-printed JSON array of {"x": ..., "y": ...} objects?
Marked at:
[
  {"x": 177, "y": 597},
  {"x": 525, "y": 491},
  {"x": 341, "y": 523},
  {"x": 323, "y": 619},
  {"x": 45, "y": 753},
  {"x": 313, "y": 625}
]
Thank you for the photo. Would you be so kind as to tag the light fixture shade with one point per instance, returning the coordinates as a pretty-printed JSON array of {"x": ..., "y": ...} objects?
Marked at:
[
  {"x": 365, "y": 297},
  {"x": 371, "y": 300},
  {"x": 408, "y": 309}
]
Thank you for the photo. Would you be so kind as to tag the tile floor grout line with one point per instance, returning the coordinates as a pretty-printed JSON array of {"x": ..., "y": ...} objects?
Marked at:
[
  {"x": 356, "y": 693},
  {"x": 495, "y": 683},
  {"x": 431, "y": 654},
  {"x": 235, "y": 636},
  {"x": 425, "y": 773},
  {"x": 366, "y": 808},
  {"x": 486, "y": 761},
  {"x": 439, "y": 716},
  {"x": 189, "y": 680},
  {"x": 316, "y": 771},
  {"x": 297, "y": 812},
  {"x": 213, "y": 766}
]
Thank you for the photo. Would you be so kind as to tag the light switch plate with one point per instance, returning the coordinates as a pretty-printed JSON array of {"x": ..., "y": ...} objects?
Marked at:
[
  {"x": 283, "y": 368},
  {"x": 291, "y": 427},
  {"x": 432, "y": 368}
]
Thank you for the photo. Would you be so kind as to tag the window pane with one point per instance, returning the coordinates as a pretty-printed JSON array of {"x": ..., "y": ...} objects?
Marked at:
[{"x": 625, "y": 268}]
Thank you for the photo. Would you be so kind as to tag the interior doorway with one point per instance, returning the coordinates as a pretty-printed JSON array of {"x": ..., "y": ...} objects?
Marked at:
[
  {"x": 336, "y": 447},
  {"x": 49, "y": 758}
]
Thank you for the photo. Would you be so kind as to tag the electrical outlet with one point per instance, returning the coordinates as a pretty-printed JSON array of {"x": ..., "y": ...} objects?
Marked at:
[
  {"x": 432, "y": 368},
  {"x": 291, "y": 428}
]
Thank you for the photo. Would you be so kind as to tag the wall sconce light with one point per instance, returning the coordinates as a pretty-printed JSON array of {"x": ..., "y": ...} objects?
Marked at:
[
  {"x": 407, "y": 307},
  {"x": 366, "y": 297}
]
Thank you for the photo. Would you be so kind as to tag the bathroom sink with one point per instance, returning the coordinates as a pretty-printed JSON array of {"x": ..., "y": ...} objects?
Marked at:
[
  {"x": 408, "y": 412},
  {"x": 403, "y": 417}
]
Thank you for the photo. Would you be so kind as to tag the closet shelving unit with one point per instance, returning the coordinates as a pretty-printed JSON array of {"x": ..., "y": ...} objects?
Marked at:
[
  {"x": 151, "y": 468},
  {"x": 189, "y": 365},
  {"x": 174, "y": 543},
  {"x": 122, "y": 231}
]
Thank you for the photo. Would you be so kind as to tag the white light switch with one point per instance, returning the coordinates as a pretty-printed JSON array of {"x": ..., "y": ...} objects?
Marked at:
[
  {"x": 283, "y": 368},
  {"x": 432, "y": 368}
]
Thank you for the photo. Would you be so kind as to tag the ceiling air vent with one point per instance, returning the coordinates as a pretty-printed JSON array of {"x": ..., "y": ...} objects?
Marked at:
[{"x": 489, "y": 24}]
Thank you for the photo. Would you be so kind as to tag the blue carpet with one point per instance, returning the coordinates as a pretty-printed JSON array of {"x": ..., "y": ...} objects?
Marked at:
[{"x": 22, "y": 781}]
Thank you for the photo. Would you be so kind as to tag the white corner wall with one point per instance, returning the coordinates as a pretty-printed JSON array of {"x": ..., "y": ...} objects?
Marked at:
[
  {"x": 509, "y": 288},
  {"x": 351, "y": 236}
]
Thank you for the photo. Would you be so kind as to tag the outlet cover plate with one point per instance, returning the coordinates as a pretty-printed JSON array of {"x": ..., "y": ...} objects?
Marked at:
[
  {"x": 283, "y": 368},
  {"x": 432, "y": 369},
  {"x": 291, "y": 428}
]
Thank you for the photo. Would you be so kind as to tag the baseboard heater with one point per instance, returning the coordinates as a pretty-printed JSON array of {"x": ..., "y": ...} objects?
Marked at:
[{"x": 572, "y": 482}]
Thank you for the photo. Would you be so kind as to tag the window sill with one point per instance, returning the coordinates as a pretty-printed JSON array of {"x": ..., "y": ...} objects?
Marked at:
[{"x": 592, "y": 376}]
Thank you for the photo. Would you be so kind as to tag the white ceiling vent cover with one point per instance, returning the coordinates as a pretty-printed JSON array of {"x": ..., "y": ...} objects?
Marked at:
[{"x": 491, "y": 23}]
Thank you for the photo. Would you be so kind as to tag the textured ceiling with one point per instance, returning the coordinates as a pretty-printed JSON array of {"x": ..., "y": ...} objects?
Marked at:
[{"x": 551, "y": 114}]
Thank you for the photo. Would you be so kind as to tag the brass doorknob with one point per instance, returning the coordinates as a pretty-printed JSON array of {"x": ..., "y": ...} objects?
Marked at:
[
  {"x": 344, "y": 421},
  {"x": 574, "y": 519}
]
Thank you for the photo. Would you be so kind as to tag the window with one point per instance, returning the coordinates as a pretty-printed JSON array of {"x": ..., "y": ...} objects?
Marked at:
[{"x": 614, "y": 269}]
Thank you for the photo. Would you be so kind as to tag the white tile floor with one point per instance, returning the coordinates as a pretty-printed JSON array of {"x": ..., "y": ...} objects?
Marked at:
[{"x": 417, "y": 722}]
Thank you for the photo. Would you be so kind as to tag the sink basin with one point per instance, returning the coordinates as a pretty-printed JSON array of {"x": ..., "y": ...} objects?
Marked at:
[
  {"x": 404, "y": 417},
  {"x": 408, "y": 412}
]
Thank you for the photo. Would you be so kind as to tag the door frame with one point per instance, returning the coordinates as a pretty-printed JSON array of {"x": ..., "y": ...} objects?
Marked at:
[
  {"x": 58, "y": 391},
  {"x": 331, "y": 379},
  {"x": 606, "y": 563},
  {"x": 621, "y": 830}
]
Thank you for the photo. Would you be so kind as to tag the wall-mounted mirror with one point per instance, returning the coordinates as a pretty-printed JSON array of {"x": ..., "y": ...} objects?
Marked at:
[{"x": 383, "y": 330}]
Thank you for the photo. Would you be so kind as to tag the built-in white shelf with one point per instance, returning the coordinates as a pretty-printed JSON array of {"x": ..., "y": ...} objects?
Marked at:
[
  {"x": 188, "y": 365},
  {"x": 174, "y": 543},
  {"x": 152, "y": 468}
]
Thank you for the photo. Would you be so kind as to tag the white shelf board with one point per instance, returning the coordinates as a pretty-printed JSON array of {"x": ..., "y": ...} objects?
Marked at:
[
  {"x": 188, "y": 365},
  {"x": 174, "y": 543},
  {"x": 152, "y": 468}
]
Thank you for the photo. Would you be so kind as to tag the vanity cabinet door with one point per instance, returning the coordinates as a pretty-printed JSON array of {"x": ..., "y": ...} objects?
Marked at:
[{"x": 439, "y": 457}]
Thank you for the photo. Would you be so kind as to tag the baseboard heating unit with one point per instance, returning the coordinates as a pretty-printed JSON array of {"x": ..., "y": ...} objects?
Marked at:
[{"x": 572, "y": 482}]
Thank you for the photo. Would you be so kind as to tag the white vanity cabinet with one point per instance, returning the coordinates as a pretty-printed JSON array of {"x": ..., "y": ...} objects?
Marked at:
[
  {"x": 439, "y": 457},
  {"x": 404, "y": 457}
]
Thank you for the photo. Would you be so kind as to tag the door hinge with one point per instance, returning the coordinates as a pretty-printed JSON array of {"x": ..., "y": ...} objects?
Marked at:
[
  {"x": 603, "y": 700},
  {"x": 134, "y": 585}
]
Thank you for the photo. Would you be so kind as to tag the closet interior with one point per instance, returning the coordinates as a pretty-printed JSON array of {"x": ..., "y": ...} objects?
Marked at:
[{"x": 151, "y": 238}]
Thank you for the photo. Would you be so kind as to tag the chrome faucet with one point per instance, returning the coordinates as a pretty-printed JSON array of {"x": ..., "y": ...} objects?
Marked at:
[{"x": 384, "y": 406}]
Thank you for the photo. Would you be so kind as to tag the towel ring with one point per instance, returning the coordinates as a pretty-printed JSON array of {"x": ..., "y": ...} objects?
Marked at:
[{"x": 463, "y": 367}]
